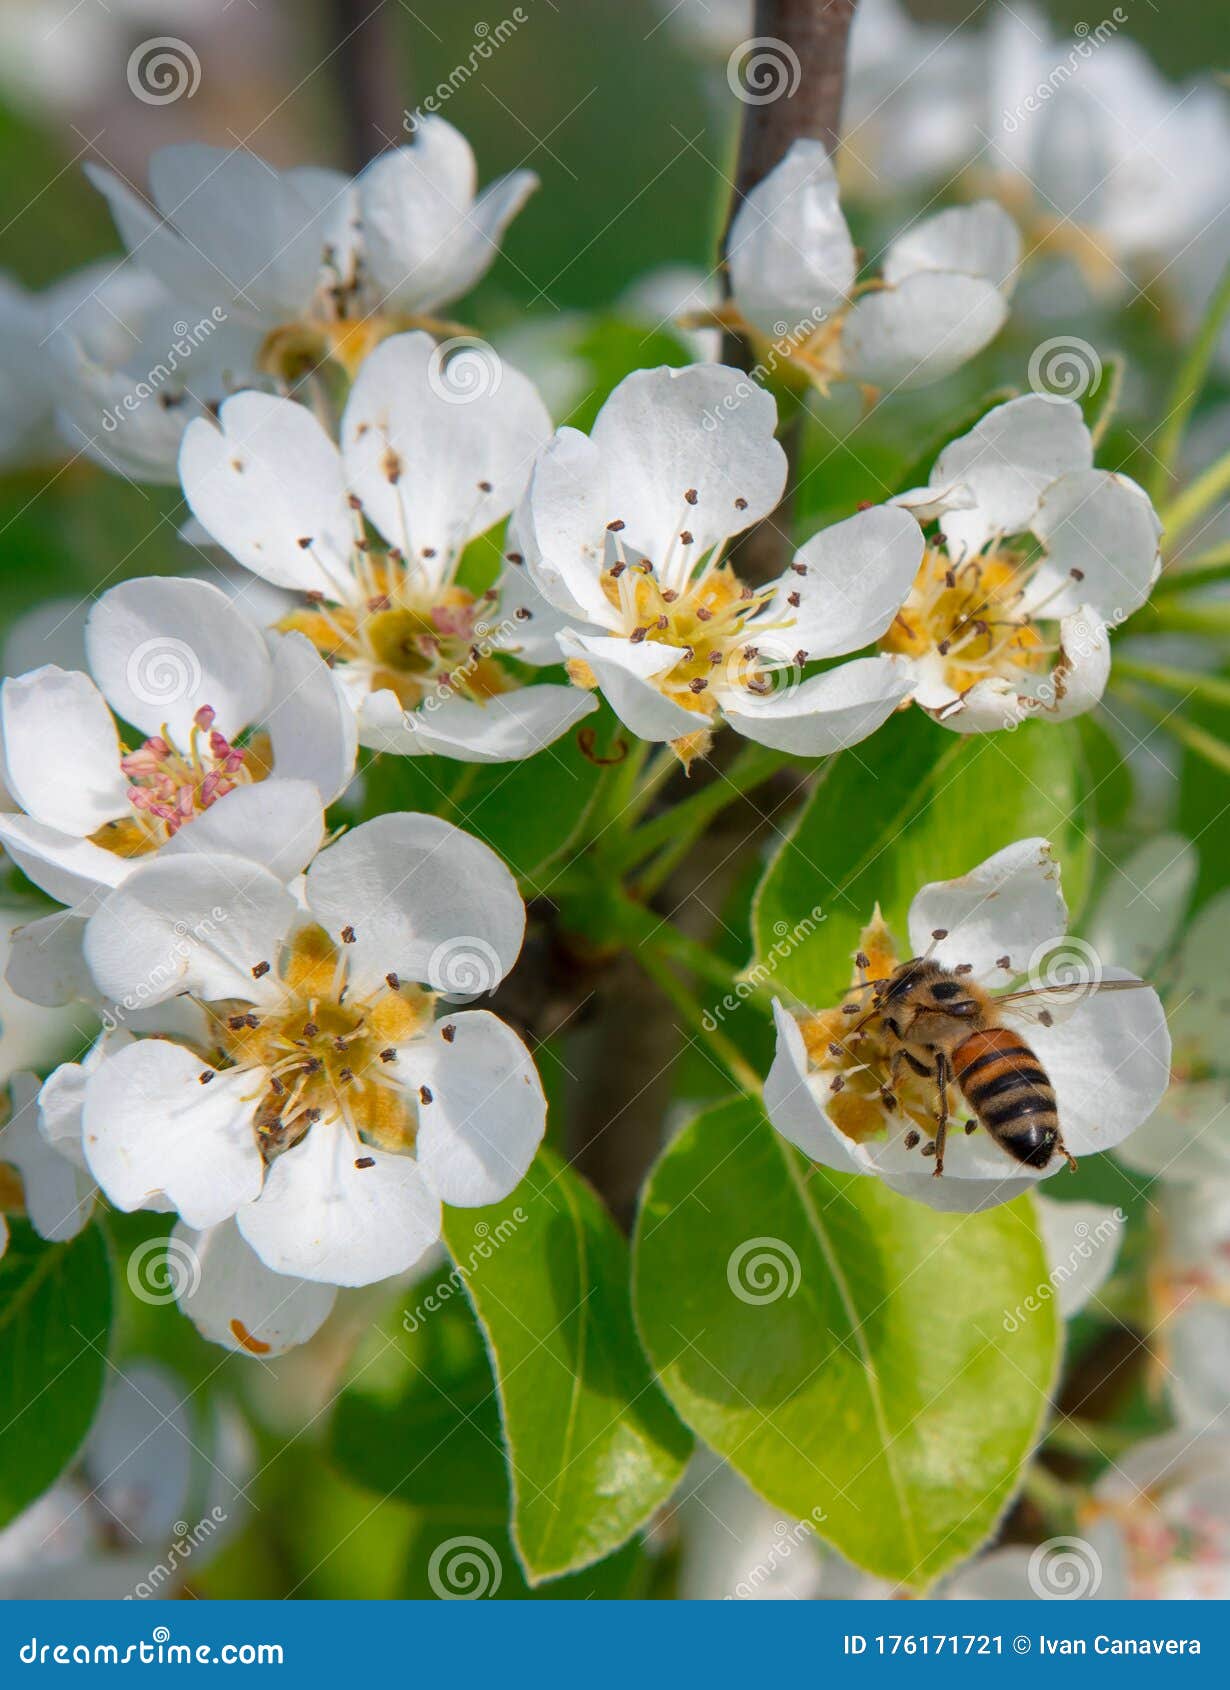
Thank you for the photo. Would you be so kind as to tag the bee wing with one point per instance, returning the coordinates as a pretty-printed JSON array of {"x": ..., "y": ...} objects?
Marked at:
[{"x": 1045, "y": 1004}]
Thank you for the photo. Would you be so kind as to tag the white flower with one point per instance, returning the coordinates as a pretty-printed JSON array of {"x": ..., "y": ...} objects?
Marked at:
[
  {"x": 234, "y": 1300},
  {"x": 1189, "y": 1288},
  {"x": 324, "y": 266},
  {"x": 1029, "y": 535},
  {"x": 329, "y": 1110},
  {"x": 1101, "y": 159},
  {"x": 625, "y": 531},
  {"x": 420, "y": 656},
  {"x": 833, "y": 1092},
  {"x": 178, "y": 661},
  {"x": 152, "y": 1499},
  {"x": 1138, "y": 921},
  {"x": 1157, "y": 1528},
  {"x": 39, "y": 1177},
  {"x": 942, "y": 293}
]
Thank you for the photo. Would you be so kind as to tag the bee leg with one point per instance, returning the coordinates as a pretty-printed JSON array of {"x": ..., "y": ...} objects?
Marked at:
[
  {"x": 943, "y": 1073},
  {"x": 1063, "y": 1150}
]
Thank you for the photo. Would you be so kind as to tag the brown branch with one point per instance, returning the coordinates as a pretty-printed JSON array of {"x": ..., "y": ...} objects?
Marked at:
[
  {"x": 365, "y": 64},
  {"x": 814, "y": 35}
]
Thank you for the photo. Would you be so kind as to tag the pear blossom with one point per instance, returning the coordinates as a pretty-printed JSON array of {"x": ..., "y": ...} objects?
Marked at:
[
  {"x": 831, "y": 1090},
  {"x": 1156, "y": 1528},
  {"x": 422, "y": 658},
  {"x": 625, "y": 531},
  {"x": 176, "y": 660},
  {"x": 323, "y": 266},
  {"x": 333, "y": 1104},
  {"x": 1028, "y": 534},
  {"x": 942, "y": 293},
  {"x": 153, "y": 1497},
  {"x": 1139, "y": 920},
  {"x": 38, "y": 1180}
]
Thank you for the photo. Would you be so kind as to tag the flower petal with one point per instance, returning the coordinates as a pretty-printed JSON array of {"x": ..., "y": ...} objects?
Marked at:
[
  {"x": 161, "y": 648},
  {"x": 151, "y": 1127},
  {"x": 503, "y": 729},
  {"x": 975, "y": 240},
  {"x": 66, "y": 867},
  {"x": 46, "y": 966},
  {"x": 826, "y": 713},
  {"x": 1009, "y": 906},
  {"x": 1100, "y": 532},
  {"x": 59, "y": 1195},
  {"x": 277, "y": 823},
  {"x": 790, "y": 253},
  {"x": 563, "y": 528},
  {"x": 851, "y": 580},
  {"x": 625, "y": 673},
  {"x": 1073, "y": 686},
  {"x": 1082, "y": 1243},
  {"x": 189, "y": 924},
  {"x": 311, "y": 725},
  {"x": 435, "y": 467},
  {"x": 1006, "y": 462},
  {"x": 794, "y": 1109},
  {"x": 690, "y": 451},
  {"x": 487, "y": 1113},
  {"x": 233, "y": 1299},
  {"x": 421, "y": 896},
  {"x": 321, "y": 1217},
  {"x": 1109, "y": 1062},
  {"x": 924, "y": 328},
  {"x": 266, "y": 483},
  {"x": 62, "y": 751}
]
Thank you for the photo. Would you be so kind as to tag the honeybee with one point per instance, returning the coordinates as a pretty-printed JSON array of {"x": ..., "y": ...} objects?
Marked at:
[{"x": 942, "y": 1026}]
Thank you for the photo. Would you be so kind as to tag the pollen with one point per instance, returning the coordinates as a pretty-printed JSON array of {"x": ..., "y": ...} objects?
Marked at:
[
  {"x": 168, "y": 786},
  {"x": 968, "y": 620}
]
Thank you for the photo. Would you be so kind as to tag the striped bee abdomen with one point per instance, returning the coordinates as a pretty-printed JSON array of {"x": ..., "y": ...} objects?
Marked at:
[{"x": 1007, "y": 1088}]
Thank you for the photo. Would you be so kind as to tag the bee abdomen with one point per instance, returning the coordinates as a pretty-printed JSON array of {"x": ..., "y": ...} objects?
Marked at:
[{"x": 1008, "y": 1089}]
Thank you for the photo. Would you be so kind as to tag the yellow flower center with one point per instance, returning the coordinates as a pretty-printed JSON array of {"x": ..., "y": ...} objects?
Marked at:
[
  {"x": 855, "y": 1061},
  {"x": 709, "y": 618},
  {"x": 169, "y": 787},
  {"x": 321, "y": 1052},
  {"x": 968, "y": 616},
  {"x": 414, "y": 639}
]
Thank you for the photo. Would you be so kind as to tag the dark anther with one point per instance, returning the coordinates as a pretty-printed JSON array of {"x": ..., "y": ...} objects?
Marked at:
[
  {"x": 258, "y": 969},
  {"x": 691, "y": 495},
  {"x": 205, "y": 1076},
  {"x": 614, "y": 527},
  {"x": 448, "y": 1034},
  {"x": 393, "y": 982},
  {"x": 389, "y": 1055},
  {"x": 424, "y": 1094},
  {"x": 911, "y": 1139},
  {"x": 366, "y": 1162},
  {"x": 686, "y": 537},
  {"x": 793, "y": 600},
  {"x": 348, "y": 935}
]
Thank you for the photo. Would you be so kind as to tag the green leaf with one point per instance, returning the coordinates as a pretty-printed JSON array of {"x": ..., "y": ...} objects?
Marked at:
[
  {"x": 913, "y": 804},
  {"x": 55, "y": 1329},
  {"x": 593, "y": 1447},
  {"x": 419, "y": 1423},
  {"x": 872, "y": 1377}
]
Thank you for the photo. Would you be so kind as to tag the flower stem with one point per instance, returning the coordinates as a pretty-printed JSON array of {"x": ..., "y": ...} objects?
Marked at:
[
  {"x": 1187, "y": 507},
  {"x": 687, "y": 820},
  {"x": 1187, "y": 388},
  {"x": 740, "y": 1071}
]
